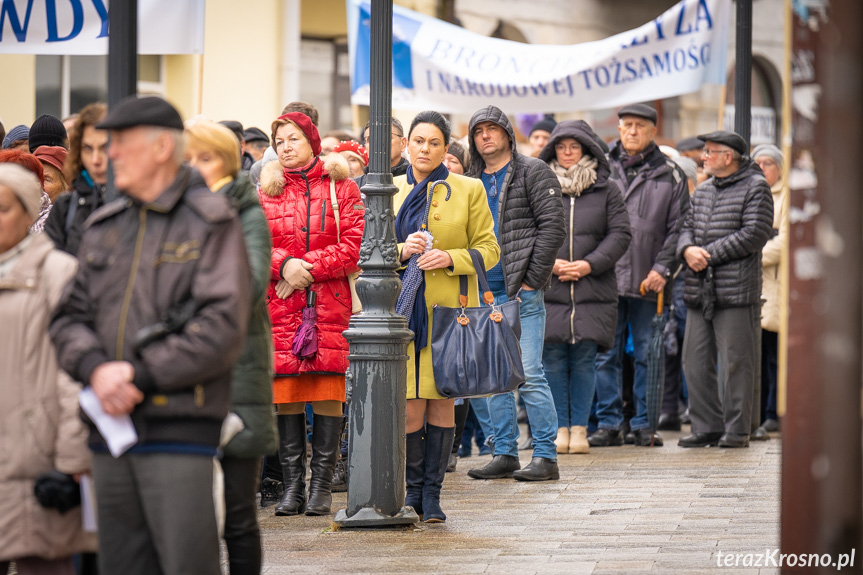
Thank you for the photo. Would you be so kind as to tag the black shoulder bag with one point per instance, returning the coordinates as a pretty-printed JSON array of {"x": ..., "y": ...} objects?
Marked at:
[{"x": 476, "y": 350}]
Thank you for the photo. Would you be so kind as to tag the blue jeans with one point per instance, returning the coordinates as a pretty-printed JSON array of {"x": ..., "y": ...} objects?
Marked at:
[
  {"x": 636, "y": 313},
  {"x": 571, "y": 372},
  {"x": 498, "y": 417}
]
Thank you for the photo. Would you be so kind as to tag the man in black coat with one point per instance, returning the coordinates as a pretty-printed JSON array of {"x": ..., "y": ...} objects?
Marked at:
[
  {"x": 656, "y": 197},
  {"x": 525, "y": 201},
  {"x": 721, "y": 240}
]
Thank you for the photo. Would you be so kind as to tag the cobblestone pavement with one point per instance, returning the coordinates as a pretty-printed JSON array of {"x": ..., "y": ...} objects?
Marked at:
[{"x": 625, "y": 510}]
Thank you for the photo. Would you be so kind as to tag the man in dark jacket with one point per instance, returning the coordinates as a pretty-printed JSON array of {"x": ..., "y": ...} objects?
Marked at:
[
  {"x": 152, "y": 324},
  {"x": 398, "y": 163},
  {"x": 525, "y": 201},
  {"x": 656, "y": 196},
  {"x": 87, "y": 169},
  {"x": 721, "y": 241}
]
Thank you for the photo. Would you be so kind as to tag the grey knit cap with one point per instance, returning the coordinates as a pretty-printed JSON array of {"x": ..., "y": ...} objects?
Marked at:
[{"x": 770, "y": 151}]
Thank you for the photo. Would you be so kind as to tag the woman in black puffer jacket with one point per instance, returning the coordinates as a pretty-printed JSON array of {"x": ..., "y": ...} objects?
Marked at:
[{"x": 581, "y": 303}]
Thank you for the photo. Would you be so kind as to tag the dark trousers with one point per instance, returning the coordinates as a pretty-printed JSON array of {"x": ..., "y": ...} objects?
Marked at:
[
  {"x": 242, "y": 533},
  {"x": 674, "y": 390},
  {"x": 769, "y": 361},
  {"x": 729, "y": 340},
  {"x": 39, "y": 566},
  {"x": 156, "y": 514}
]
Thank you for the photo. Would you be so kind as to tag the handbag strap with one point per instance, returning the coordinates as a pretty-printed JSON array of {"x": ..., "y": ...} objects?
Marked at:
[
  {"x": 479, "y": 265},
  {"x": 335, "y": 202}
]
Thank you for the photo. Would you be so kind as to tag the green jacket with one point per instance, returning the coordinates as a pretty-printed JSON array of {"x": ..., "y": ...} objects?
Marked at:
[{"x": 252, "y": 382}]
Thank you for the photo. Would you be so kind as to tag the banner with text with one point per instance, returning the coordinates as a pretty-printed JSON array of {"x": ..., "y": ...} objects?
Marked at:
[
  {"x": 440, "y": 66},
  {"x": 80, "y": 27}
]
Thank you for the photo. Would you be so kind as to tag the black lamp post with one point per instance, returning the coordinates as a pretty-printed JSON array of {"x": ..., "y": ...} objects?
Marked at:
[
  {"x": 122, "y": 62},
  {"x": 378, "y": 337},
  {"x": 743, "y": 71},
  {"x": 122, "y": 51}
]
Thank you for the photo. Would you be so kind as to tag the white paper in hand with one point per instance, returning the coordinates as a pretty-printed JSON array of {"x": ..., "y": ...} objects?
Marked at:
[{"x": 118, "y": 431}]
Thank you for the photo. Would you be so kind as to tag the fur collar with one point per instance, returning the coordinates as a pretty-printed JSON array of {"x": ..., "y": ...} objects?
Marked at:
[{"x": 273, "y": 175}]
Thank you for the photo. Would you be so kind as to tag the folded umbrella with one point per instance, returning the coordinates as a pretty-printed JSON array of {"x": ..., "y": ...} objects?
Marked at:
[
  {"x": 305, "y": 344},
  {"x": 655, "y": 367},
  {"x": 413, "y": 275}
]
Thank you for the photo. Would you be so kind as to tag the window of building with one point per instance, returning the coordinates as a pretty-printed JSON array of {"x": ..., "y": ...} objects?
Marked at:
[{"x": 65, "y": 84}]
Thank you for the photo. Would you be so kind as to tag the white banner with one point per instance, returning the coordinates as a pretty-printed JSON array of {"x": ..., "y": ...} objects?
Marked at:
[
  {"x": 440, "y": 66},
  {"x": 80, "y": 27}
]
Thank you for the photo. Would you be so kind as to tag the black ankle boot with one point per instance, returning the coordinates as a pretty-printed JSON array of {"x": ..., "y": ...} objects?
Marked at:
[
  {"x": 326, "y": 434},
  {"x": 415, "y": 454},
  {"x": 292, "y": 455},
  {"x": 438, "y": 447}
]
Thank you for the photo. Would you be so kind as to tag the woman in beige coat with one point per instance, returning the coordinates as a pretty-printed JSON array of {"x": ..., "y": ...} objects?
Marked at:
[
  {"x": 769, "y": 158},
  {"x": 39, "y": 426}
]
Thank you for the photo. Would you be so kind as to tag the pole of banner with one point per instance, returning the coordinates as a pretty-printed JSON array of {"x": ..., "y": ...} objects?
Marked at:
[
  {"x": 743, "y": 71},
  {"x": 122, "y": 61},
  {"x": 378, "y": 337},
  {"x": 721, "y": 113}
]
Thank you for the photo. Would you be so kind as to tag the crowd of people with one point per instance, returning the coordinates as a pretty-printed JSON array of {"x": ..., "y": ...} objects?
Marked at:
[{"x": 202, "y": 300}]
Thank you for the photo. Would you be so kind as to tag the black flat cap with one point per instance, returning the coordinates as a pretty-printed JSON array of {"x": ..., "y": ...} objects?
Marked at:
[
  {"x": 639, "y": 110},
  {"x": 235, "y": 127},
  {"x": 255, "y": 135},
  {"x": 689, "y": 144},
  {"x": 147, "y": 111},
  {"x": 731, "y": 139}
]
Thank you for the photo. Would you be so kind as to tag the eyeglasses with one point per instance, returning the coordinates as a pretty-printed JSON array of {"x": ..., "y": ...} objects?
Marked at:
[
  {"x": 493, "y": 191},
  {"x": 707, "y": 153},
  {"x": 393, "y": 134}
]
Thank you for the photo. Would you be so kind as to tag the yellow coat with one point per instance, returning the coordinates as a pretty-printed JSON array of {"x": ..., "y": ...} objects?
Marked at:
[{"x": 464, "y": 222}]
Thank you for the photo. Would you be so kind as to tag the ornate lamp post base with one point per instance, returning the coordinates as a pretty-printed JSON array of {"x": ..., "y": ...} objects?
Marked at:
[{"x": 368, "y": 517}]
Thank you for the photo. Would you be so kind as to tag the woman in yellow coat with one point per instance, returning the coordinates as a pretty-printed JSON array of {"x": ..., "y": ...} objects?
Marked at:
[{"x": 459, "y": 219}]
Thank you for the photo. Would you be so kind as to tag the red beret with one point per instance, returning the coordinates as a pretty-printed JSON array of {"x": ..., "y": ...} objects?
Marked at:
[{"x": 309, "y": 129}]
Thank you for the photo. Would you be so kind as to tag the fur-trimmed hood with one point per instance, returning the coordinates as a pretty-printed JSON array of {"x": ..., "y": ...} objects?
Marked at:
[{"x": 274, "y": 176}]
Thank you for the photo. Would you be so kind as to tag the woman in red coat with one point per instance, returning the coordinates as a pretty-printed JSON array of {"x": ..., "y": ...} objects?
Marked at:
[{"x": 313, "y": 253}]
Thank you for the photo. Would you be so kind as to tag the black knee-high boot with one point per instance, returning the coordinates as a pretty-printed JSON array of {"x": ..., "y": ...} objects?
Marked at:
[
  {"x": 292, "y": 454},
  {"x": 415, "y": 469},
  {"x": 326, "y": 435},
  {"x": 438, "y": 447}
]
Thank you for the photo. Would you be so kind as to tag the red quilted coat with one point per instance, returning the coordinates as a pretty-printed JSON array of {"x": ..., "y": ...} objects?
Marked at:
[{"x": 302, "y": 223}]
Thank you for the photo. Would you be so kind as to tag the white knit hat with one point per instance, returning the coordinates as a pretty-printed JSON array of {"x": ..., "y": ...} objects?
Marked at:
[{"x": 25, "y": 185}]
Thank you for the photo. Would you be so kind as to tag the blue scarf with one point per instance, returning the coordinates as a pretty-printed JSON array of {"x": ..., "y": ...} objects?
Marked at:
[{"x": 412, "y": 213}]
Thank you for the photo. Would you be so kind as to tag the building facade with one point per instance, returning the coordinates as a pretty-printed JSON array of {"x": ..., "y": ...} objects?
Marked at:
[{"x": 261, "y": 55}]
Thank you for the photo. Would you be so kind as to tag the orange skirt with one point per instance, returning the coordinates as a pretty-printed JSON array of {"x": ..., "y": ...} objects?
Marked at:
[{"x": 309, "y": 387}]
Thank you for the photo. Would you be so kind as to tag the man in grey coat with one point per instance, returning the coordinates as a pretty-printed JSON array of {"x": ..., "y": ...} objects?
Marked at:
[
  {"x": 721, "y": 241},
  {"x": 656, "y": 197},
  {"x": 525, "y": 201}
]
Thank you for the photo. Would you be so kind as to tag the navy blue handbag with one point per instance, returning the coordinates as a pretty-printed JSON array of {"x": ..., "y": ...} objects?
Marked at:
[{"x": 476, "y": 350}]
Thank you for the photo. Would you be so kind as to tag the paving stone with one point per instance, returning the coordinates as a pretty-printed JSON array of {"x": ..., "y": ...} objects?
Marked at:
[{"x": 616, "y": 510}]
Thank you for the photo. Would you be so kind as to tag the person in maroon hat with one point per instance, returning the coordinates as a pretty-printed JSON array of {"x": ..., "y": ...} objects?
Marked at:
[
  {"x": 53, "y": 158},
  {"x": 315, "y": 215}
]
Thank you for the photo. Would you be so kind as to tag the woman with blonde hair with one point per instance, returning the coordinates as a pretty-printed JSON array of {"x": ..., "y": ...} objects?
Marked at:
[{"x": 212, "y": 150}]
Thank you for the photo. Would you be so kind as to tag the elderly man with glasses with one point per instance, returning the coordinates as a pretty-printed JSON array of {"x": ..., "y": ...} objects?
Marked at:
[
  {"x": 657, "y": 197},
  {"x": 721, "y": 241}
]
